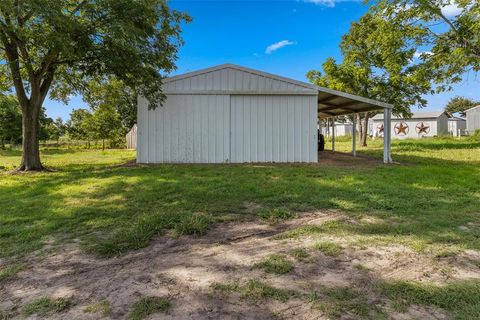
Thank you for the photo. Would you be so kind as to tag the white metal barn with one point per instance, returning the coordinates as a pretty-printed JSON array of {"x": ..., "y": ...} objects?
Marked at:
[
  {"x": 232, "y": 114},
  {"x": 421, "y": 124},
  {"x": 473, "y": 119}
]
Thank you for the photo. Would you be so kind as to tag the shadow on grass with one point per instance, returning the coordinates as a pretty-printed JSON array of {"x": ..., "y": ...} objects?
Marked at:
[{"x": 125, "y": 207}]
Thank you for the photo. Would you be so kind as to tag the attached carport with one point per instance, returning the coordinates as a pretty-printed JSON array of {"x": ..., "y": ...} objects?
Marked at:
[{"x": 333, "y": 103}]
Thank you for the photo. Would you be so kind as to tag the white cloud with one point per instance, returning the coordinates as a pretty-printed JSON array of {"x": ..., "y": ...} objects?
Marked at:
[
  {"x": 328, "y": 3},
  {"x": 275, "y": 46},
  {"x": 451, "y": 10}
]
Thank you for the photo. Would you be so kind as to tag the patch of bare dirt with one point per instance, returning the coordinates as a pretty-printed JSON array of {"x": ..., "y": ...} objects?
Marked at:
[{"x": 183, "y": 269}]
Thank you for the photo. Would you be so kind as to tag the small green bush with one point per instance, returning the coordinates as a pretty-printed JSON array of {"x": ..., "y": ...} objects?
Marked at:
[
  {"x": 275, "y": 215},
  {"x": 193, "y": 224},
  {"x": 328, "y": 248},
  {"x": 46, "y": 306},
  {"x": 147, "y": 306},
  {"x": 275, "y": 263}
]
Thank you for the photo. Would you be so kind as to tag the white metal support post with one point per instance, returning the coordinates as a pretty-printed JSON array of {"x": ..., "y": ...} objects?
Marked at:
[
  {"x": 333, "y": 134},
  {"x": 354, "y": 136},
  {"x": 387, "y": 135}
]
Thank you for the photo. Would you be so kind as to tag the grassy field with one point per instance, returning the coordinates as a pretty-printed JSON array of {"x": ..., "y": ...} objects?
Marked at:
[{"x": 429, "y": 202}]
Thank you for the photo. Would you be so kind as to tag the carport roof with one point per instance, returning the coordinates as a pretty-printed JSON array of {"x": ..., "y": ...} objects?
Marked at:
[{"x": 332, "y": 103}]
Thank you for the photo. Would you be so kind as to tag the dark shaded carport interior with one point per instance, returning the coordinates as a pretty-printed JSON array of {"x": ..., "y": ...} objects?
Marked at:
[{"x": 332, "y": 103}]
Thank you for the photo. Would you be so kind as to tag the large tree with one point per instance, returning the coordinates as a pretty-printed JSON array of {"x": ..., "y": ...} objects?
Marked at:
[
  {"x": 379, "y": 62},
  {"x": 58, "y": 46},
  {"x": 460, "y": 105},
  {"x": 452, "y": 45}
]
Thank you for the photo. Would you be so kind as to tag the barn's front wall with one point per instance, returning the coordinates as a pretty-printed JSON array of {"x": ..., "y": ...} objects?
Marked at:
[{"x": 229, "y": 115}]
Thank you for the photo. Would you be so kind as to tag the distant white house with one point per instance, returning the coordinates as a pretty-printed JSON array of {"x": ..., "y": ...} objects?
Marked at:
[
  {"x": 341, "y": 129},
  {"x": 457, "y": 126},
  {"x": 421, "y": 124},
  {"x": 473, "y": 119}
]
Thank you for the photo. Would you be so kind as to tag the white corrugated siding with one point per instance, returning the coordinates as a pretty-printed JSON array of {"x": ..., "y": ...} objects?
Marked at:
[
  {"x": 229, "y": 115},
  {"x": 273, "y": 128},
  {"x": 187, "y": 129}
]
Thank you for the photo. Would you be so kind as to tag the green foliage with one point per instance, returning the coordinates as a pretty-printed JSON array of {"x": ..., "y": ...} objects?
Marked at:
[
  {"x": 461, "y": 298},
  {"x": 10, "y": 120},
  {"x": 299, "y": 254},
  {"x": 255, "y": 290},
  {"x": 9, "y": 271},
  {"x": 59, "y": 47},
  {"x": 193, "y": 224},
  {"x": 147, "y": 306},
  {"x": 453, "y": 42},
  {"x": 328, "y": 248},
  {"x": 46, "y": 306},
  {"x": 74, "y": 126},
  {"x": 335, "y": 302},
  {"x": 105, "y": 124},
  {"x": 114, "y": 93},
  {"x": 276, "y": 214},
  {"x": 103, "y": 307},
  {"x": 460, "y": 105},
  {"x": 378, "y": 63},
  {"x": 275, "y": 263}
]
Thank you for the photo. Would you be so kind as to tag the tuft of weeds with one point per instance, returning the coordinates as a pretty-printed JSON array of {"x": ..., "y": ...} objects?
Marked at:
[
  {"x": 193, "y": 224},
  {"x": 335, "y": 302},
  {"x": 147, "y": 306},
  {"x": 9, "y": 271},
  {"x": 275, "y": 263},
  {"x": 103, "y": 307},
  {"x": 299, "y": 254},
  {"x": 461, "y": 298},
  {"x": 299, "y": 232},
  {"x": 328, "y": 248},
  {"x": 255, "y": 290},
  {"x": 226, "y": 287},
  {"x": 46, "y": 306},
  {"x": 276, "y": 214},
  {"x": 138, "y": 234}
]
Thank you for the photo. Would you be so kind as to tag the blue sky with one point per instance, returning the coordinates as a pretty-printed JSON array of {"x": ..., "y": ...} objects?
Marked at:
[{"x": 286, "y": 37}]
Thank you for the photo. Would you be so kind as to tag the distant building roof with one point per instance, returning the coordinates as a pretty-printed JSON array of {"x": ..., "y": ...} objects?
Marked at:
[
  {"x": 416, "y": 115},
  {"x": 472, "y": 108},
  {"x": 454, "y": 118}
]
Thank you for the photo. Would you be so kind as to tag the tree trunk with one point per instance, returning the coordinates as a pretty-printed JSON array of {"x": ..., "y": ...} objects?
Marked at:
[
  {"x": 103, "y": 144},
  {"x": 30, "y": 144},
  {"x": 365, "y": 131},
  {"x": 359, "y": 125}
]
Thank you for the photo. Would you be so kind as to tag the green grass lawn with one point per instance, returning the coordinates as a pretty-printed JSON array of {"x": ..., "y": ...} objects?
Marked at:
[{"x": 430, "y": 201}]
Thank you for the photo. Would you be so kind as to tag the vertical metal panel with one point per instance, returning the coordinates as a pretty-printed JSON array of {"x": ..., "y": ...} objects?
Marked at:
[
  {"x": 186, "y": 129},
  {"x": 473, "y": 119},
  {"x": 273, "y": 128}
]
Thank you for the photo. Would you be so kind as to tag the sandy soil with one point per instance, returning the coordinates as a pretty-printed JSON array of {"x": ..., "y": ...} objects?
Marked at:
[{"x": 183, "y": 269}]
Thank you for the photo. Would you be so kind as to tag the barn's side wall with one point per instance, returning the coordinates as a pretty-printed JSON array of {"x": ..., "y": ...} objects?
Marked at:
[{"x": 473, "y": 120}]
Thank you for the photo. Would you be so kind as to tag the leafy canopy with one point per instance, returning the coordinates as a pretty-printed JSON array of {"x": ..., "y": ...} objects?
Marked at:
[
  {"x": 67, "y": 43},
  {"x": 379, "y": 63},
  {"x": 452, "y": 27},
  {"x": 460, "y": 105}
]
